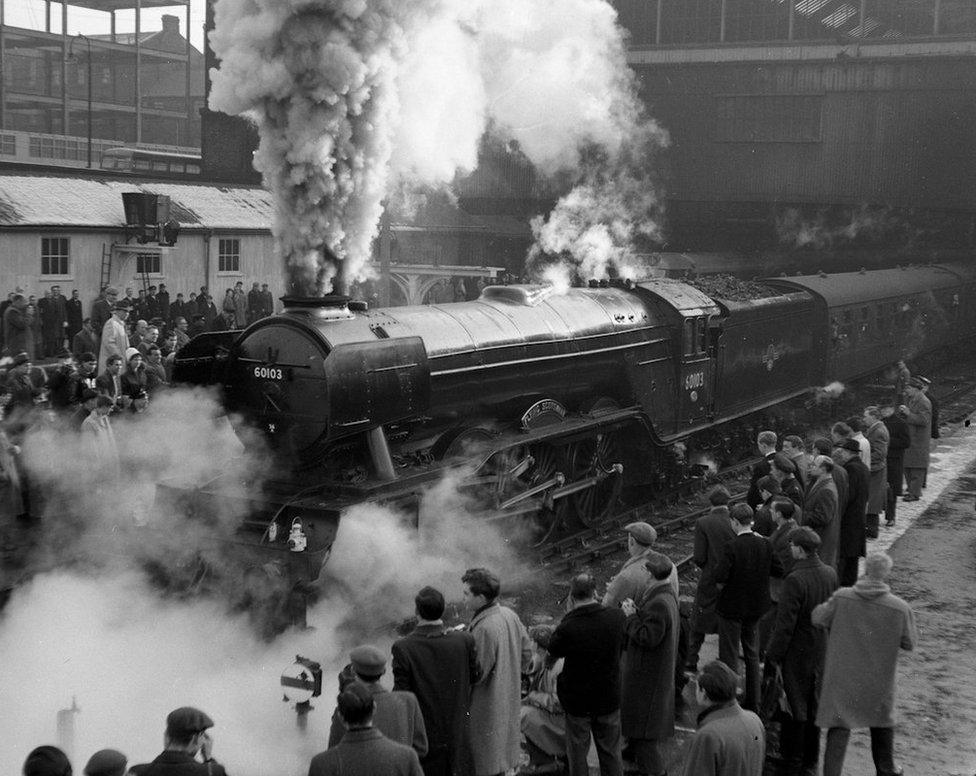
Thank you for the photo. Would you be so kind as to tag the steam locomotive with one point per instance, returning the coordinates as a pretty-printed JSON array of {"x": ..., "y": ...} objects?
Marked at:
[{"x": 549, "y": 401}]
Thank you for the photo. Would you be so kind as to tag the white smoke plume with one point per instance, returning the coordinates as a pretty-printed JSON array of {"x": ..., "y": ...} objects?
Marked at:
[
  {"x": 92, "y": 625},
  {"x": 351, "y": 95},
  {"x": 609, "y": 215},
  {"x": 828, "y": 392},
  {"x": 821, "y": 232}
]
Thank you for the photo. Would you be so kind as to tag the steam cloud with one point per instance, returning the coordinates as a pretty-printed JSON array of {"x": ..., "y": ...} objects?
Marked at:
[
  {"x": 91, "y": 624},
  {"x": 353, "y": 96},
  {"x": 864, "y": 222}
]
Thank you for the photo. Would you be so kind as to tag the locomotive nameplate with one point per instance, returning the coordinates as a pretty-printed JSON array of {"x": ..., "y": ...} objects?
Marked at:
[{"x": 543, "y": 413}]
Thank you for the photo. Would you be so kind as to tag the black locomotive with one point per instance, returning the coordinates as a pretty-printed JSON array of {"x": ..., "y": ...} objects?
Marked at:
[{"x": 552, "y": 401}]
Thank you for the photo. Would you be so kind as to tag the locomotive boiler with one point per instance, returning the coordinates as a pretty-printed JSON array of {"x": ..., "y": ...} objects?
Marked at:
[{"x": 547, "y": 402}]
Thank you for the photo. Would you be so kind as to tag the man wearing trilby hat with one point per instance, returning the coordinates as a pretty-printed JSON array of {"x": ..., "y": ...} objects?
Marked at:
[{"x": 115, "y": 339}]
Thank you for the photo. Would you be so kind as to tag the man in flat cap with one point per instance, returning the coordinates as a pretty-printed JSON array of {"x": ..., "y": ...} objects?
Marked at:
[
  {"x": 797, "y": 647},
  {"x": 363, "y": 750},
  {"x": 114, "y": 337},
  {"x": 186, "y": 737},
  {"x": 633, "y": 577},
  {"x": 917, "y": 412},
  {"x": 397, "y": 714}
]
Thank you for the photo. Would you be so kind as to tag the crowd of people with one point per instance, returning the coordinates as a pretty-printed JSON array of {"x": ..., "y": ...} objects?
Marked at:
[
  {"x": 43, "y": 327},
  {"x": 779, "y": 585},
  {"x": 102, "y": 367},
  {"x": 493, "y": 697}
]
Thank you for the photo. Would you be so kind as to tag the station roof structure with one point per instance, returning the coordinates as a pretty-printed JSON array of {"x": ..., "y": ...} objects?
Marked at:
[{"x": 110, "y": 6}]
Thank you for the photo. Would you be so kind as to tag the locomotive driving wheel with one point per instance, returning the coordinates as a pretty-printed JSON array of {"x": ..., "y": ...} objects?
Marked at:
[{"x": 591, "y": 462}]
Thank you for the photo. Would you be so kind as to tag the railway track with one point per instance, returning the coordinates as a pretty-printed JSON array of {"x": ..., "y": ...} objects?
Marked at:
[
  {"x": 956, "y": 405},
  {"x": 607, "y": 539}
]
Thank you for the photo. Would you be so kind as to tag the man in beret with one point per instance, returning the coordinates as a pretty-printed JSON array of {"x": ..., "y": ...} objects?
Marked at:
[
  {"x": 106, "y": 762},
  {"x": 633, "y": 577},
  {"x": 186, "y": 737},
  {"x": 729, "y": 739},
  {"x": 397, "y": 714},
  {"x": 917, "y": 412},
  {"x": 797, "y": 647},
  {"x": 439, "y": 666},
  {"x": 363, "y": 750}
]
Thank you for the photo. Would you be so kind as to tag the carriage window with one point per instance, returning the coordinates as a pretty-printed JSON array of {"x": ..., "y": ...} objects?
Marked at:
[{"x": 703, "y": 334}]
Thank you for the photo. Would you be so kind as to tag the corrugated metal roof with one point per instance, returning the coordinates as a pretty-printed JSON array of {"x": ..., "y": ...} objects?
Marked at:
[{"x": 50, "y": 200}]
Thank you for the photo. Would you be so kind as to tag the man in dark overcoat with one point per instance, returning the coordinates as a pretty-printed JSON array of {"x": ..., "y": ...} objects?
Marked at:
[
  {"x": 589, "y": 639},
  {"x": 364, "y": 750},
  {"x": 766, "y": 442},
  {"x": 899, "y": 439},
  {"x": 254, "y": 303},
  {"x": 820, "y": 508},
  {"x": 712, "y": 532},
  {"x": 798, "y": 648},
  {"x": 101, "y": 310},
  {"x": 162, "y": 302},
  {"x": 17, "y": 334},
  {"x": 743, "y": 575},
  {"x": 851, "y": 543},
  {"x": 917, "y": 412},
  {"x": 824, "y": 446},
  {"x": 76, "y": 316},
  {"x": 439, "y": 667},
  {"x": 878, "y": 437},
  {"x": 651, "y": 649},
  {"x": 782, "y": 510}
]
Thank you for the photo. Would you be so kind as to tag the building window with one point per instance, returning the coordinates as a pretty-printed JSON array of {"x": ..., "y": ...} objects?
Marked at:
[
  {"x": 54, "y": 255},
  {"x": 148, "y": 264},
  {"x": 229, "y": 255}
]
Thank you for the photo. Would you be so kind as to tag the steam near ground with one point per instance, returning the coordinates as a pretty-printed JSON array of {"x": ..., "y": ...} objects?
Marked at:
[
  {"x": 353, "y": 98},
  {"x": 90, "y": 626}
]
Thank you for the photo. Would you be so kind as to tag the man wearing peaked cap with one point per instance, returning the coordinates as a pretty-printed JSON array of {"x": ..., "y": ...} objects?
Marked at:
[
  {"x": 114, "y": 337},
  {"x": 364, "y": 750},
  {"x": 633, "y": 577},
  {"x": 397, "y": 714},
  {"x": 186, "y": 737}
]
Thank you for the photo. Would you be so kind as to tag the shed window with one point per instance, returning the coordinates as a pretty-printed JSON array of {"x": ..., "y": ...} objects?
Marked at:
[
  {"x": 229, "y": 255},
  {"x": 55, "y": 252},
  {"x": 148, "y": 263}
]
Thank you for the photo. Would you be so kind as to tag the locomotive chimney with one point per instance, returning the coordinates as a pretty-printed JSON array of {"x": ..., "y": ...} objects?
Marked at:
[{"x": 329, "y": 307}]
